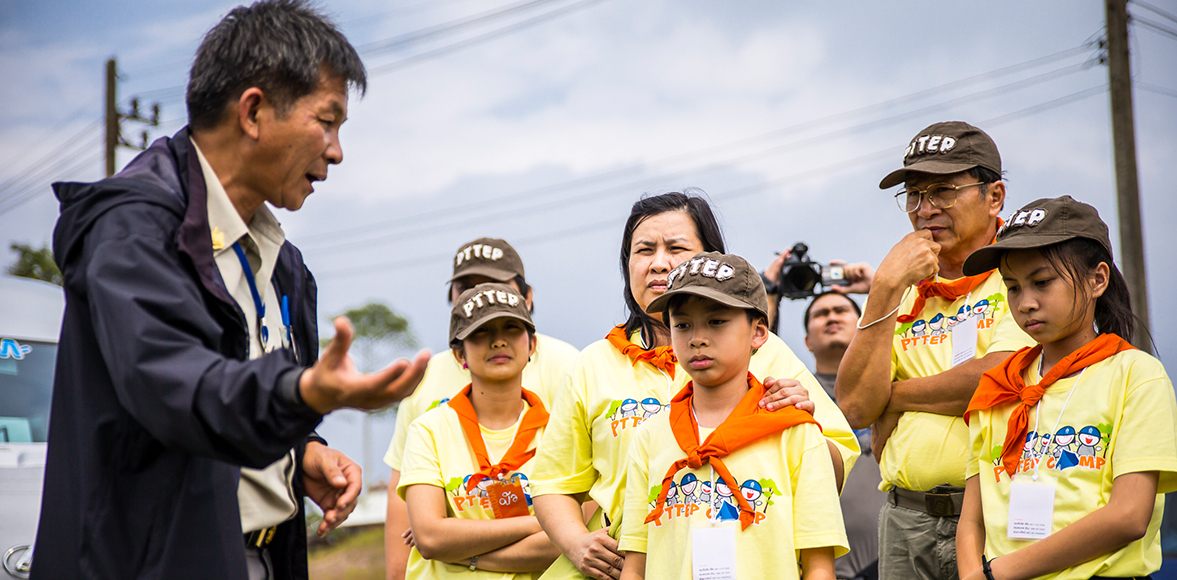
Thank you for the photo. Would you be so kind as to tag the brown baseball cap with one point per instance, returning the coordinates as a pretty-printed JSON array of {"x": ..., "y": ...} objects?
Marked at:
[
  {"x": 725, "y": 278},
  {"x": 484, "y": 302},
  {"x": 490, "y": 257},
  {"x": 946, "y": 148},
  {"x": 1041, "y": 223}
]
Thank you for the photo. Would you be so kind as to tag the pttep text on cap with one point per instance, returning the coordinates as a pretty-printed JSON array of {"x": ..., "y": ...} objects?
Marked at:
[
  {"x": 483, "y": 303},
  {"x": 490, "y": 257},
  {"x": 946, "y": 148},
  {"x": 1041, "y": 223},
  {"x": 725, "y": 278}
]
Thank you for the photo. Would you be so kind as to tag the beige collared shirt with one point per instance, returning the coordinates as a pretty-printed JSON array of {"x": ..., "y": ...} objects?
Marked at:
[{"x": 266, "y": 495}]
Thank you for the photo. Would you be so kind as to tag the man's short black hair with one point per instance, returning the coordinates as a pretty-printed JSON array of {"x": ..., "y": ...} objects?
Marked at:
[
  {"x": 279, "y": 46},
  {"x": 809, "y": 309}
]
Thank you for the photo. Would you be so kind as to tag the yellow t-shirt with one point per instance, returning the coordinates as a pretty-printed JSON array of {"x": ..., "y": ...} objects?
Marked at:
[
  {"x": 444, "y": 377},
  {"x": 787, "y": 477},
  {"x": 927, "y": 449},
  {"x": 438, "y": 454},
  {"x": 1121, "y": 418},
  {"x": 606, "y": 397}
]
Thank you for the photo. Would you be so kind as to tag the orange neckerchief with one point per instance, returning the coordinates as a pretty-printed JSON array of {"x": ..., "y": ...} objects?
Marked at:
[
  {"x": 662, "y": 357},
  {"x": 949, "y": 290},
  {"x": 1005, "y": 383},
  {"x": 533, "y": 420},
  {"x": 746, "y": 424}
]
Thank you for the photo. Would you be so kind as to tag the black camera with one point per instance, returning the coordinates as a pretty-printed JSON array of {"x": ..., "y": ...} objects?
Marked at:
[{"x": 801, "y": 277}]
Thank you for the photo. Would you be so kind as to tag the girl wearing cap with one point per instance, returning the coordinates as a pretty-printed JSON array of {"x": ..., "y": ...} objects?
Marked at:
[
  {"x": 466, "y": 464},
  {"x": 1051, "y": 513},
  {"x": 584, "y": 450}
]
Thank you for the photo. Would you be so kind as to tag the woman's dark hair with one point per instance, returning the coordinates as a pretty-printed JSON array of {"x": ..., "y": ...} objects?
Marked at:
[
  {"x": 279, "y": 46},
  {"x": 1077, "y": 257},
  {"x": 690, "y": 202}
]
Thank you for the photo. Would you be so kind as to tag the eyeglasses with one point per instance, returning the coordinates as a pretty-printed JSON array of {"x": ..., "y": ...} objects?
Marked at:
[{"x": 940, "y": 195}]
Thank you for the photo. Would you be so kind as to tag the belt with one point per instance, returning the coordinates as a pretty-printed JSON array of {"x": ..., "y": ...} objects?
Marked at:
[
  {"x": 933, "y": 503},
  {"x": 260, "y": 538}
]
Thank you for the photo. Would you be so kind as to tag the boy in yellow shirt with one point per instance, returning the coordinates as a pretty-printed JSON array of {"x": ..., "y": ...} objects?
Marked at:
[{"x": 773, "y": 501}]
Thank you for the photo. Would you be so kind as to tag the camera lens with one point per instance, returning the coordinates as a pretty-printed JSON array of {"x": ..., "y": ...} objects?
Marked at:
[{"x": 799, "y": 279}]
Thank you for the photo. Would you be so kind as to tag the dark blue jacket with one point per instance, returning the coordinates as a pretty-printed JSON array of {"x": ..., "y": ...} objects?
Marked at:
[{"x": 155, "y": 405}]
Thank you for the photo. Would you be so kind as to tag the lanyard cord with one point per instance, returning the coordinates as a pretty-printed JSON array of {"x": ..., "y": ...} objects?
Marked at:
[
  {"x": 259, "y": 305},
  {"x": 1054, "y": 431}
]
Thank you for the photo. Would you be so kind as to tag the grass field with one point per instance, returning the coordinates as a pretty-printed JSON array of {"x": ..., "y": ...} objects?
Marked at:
[{"x": 358, "y": 555}]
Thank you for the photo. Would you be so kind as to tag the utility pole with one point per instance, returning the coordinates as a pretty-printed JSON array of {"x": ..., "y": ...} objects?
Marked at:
[
  {"x": 114, "y": 117},
  {"x": 1124, "y": 150}
]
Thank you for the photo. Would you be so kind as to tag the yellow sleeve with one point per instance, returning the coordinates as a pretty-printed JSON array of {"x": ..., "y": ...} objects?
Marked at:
[
  {"x": 833, "y": 423},
  {"x": 422, "y": 463},
  {"x": 557, "y": 357},
  {"x": 637, "y": 493},
  {"x": 1147, "y": 438},
  {"x": 564, "y": 462},
  {"x": 976, "y": 443},
  {"x": 406, "y": 413},
  {"x": 817, "y": 515},
  {"x": 1007, "y": 336}
]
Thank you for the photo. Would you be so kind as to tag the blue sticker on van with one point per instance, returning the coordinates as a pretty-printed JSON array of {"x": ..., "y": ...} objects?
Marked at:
[{"x": 10, "y": 348}]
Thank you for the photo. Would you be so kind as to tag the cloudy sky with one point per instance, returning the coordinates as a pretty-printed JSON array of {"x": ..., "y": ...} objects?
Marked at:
[{"x": 542, "y": 124}]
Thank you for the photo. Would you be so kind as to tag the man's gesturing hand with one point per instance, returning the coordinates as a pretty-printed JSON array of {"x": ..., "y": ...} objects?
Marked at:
[
  {"x": 332, "y": 480},
  {"x": 333, "y": 382}
]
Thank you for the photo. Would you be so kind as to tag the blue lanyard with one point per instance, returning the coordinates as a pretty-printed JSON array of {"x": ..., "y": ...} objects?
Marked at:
[{"x": 258, "y": 304}]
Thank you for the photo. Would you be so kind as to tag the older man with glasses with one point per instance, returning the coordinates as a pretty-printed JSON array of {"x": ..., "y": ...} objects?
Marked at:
[{"x": 914, "y": 386}]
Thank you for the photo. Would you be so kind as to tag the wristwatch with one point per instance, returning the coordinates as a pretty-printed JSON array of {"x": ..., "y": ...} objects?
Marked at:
[{"x": 473, "y": 561}]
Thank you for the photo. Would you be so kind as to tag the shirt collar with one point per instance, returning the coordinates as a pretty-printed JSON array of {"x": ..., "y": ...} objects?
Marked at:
[{"x": 226, "y": 225}]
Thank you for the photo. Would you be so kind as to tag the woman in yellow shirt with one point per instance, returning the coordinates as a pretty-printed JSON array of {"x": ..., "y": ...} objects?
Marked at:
[{"x": 629, "y": 377}]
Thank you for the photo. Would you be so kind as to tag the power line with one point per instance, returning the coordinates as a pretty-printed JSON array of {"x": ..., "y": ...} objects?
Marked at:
[
  {"x": 47, "y": 173},
  {"x": 32, "y": 192},
  {"x": 1155, "y": 10},
  {"x": 510, "y": 29},
  {"x": 479, "y": 214},
  {"x": 833, "y": 168},
  {"x": 1155, "y": 27},
  {"x": 48, "y": 157},
  {"x": 43, "y": 170},
  {"x": 686, "y": 157},
  {"x": 447, "y": 28},
  {"x": 55, "y": 130},
  {"x": 1155, "y": 89}
]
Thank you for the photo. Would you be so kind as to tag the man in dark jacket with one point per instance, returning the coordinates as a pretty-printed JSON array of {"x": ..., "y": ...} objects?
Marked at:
[{"x": 190, "y": 323}]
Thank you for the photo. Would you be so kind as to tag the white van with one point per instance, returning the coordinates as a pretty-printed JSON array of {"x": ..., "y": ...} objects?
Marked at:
[{"x": 30, "y": 324}]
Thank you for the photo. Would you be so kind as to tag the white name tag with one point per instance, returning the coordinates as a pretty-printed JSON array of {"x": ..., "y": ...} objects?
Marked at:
[
  {"x": 964, "y": 342},
  {"x": 1031, "y": 511},
  {"x": 713, "y": 553}
]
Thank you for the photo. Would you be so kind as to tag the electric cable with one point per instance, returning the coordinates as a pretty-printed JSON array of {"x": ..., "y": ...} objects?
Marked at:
[
  {"x": 1155, "y": 27},
  {"x": 786, "y": 131},
  {"x": 1155, "y": 10},
  {"x": 1155, "y": 89},
  {"x": 32, "y": 193},
  {"x": 841, "y": 165}
]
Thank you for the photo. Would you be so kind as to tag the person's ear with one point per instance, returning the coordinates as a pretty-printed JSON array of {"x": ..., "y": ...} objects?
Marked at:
[
  {"x": 760, "y": 333},
  {"x": 459, "y": 355},
  {"x": 995, "y": 198},
  {"x": 1100, "y": 278},
  {"x": 807, "y": 345},
  {"x": 249, "y": 107},
  {"x": 529, "y": 299},
  {"x": 534, "y": 342}
]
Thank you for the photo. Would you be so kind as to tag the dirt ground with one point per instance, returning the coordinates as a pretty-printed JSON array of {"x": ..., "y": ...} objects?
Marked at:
[{"x": 358, "y": 555}]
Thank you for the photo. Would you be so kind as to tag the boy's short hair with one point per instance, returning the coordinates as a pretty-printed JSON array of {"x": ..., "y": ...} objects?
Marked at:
[{"x": 725, "y": 278}]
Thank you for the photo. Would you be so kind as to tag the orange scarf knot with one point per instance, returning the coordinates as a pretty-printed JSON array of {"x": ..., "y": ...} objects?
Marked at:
[
  {"x": 517, "y": 454},
  {"x": 1005, "y": 383},
  {"x": 661, "y": 357},
  {"x": 746, "y": 424}
]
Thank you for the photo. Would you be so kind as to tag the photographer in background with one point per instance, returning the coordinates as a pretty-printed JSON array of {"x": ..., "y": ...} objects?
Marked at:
[
  {"x": 830, "y": 321},
  {"x": 800, "y": 278}
]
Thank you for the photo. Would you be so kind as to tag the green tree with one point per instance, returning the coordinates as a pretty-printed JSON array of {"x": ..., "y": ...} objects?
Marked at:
[{"x": 35, "y": 263}]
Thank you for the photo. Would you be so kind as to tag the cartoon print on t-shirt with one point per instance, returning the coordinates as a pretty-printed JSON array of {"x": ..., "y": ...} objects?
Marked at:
[
  {"x": 1064, "y": 458},
  {"x": 937, "y": 330},
  {"x": 693, "y": 496},
  {"x": 936, "y": 325},
  {"x": 1089, "y": 436},
  {"x": 627, "y": 413},
  {"x": 479, "y": 497}
]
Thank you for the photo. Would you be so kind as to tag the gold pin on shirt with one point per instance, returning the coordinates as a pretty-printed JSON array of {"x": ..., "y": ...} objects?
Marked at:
[{"x": 218, "y": 239}]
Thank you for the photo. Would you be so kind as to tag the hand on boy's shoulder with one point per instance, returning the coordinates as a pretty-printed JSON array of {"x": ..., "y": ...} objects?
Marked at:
[{"x": 781, "y": 393}]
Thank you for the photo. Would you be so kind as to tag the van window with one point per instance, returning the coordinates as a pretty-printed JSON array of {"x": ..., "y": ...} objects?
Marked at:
[{"x": 26, "y": 386}]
